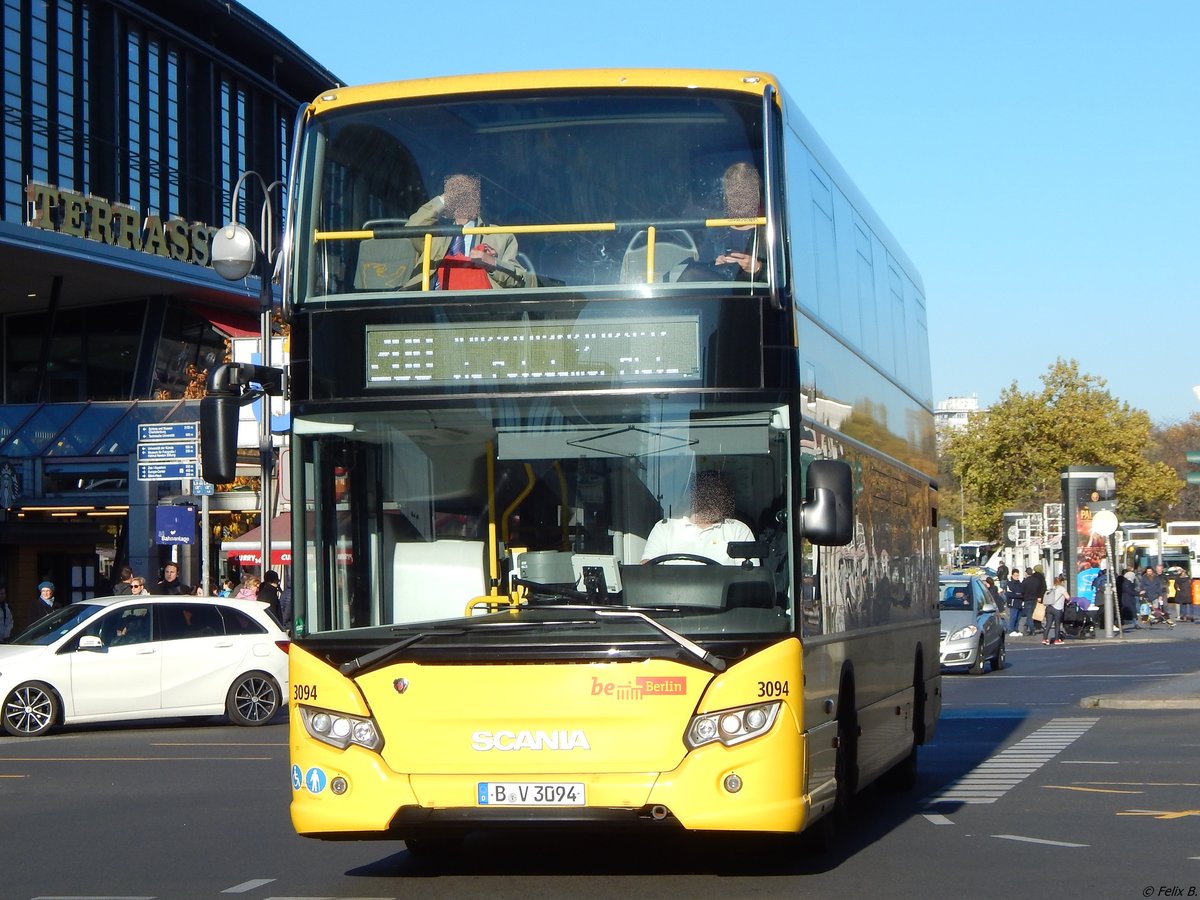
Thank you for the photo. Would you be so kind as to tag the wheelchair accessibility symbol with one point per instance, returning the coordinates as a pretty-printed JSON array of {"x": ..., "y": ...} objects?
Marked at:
[{"x": 297, "y": 778}]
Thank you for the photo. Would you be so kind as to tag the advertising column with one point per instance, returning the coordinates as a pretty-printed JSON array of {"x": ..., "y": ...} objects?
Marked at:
[{"x": 1087, "y": 490}]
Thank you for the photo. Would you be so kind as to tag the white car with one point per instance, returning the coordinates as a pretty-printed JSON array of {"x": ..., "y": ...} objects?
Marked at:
[{"x": 142, "y": 657}]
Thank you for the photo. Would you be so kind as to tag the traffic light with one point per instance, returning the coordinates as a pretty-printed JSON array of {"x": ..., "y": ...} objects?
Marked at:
[{"x": 1193, "y": 456}]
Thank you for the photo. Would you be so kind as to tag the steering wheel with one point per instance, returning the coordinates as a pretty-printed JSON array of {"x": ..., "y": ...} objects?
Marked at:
[{"x": 686, "y": 557}]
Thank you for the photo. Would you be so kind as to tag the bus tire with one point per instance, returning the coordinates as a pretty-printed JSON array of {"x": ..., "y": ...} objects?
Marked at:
[
  {"x": 433, "y": 848},
  {"x": 846, "y": 764},
  {"x": 903, "y": 775}
]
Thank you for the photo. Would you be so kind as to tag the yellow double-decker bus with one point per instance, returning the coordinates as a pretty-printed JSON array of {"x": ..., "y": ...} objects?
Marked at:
[{"x": 613, "y": 462}]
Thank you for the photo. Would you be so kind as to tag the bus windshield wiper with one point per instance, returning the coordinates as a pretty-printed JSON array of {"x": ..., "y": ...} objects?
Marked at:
[
  {"x": 360, "y": 664},
  {"x": 709, "y": 659},
  {"x": 558, "y": 592}
]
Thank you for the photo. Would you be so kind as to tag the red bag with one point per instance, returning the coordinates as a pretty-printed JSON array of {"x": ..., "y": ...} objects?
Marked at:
[{"x": 461, "y": 273}]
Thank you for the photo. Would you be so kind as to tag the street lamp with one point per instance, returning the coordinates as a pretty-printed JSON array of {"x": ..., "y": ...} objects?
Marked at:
[
  {"x": 1104, "y": 523},
  {"x": 234, "y": 254}
]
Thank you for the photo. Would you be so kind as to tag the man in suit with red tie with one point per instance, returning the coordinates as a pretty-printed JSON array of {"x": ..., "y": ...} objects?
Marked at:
[{"x": 466, "y": 260}]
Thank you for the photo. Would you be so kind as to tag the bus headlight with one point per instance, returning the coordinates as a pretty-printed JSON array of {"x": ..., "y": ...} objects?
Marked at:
[
  {"x": 731, "y": 726},
  {"x": 340, "y": 730}
]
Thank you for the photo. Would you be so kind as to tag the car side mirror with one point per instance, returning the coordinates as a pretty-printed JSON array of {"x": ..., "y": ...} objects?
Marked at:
[{"x": 92, "y": 643}]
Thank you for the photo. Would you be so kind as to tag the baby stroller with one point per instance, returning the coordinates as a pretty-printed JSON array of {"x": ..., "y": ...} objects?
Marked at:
[
  {"x": 1154, "y": 615},
  {"x": 1079, "y": 621}
]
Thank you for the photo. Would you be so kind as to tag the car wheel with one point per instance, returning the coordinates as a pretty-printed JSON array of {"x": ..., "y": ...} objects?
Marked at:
[
  {"x": 978, "y": 664},
  {"x": 998, "y": 659},
  {"x": 30, "y": 709},
  {"x": 253, "y": 699}
]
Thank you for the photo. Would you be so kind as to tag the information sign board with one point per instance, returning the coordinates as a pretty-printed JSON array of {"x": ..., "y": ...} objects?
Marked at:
[
  {"x": 167, "y": 471},
  {"x": 163, "y": 450},
  {"x": 169, "y": 431}
]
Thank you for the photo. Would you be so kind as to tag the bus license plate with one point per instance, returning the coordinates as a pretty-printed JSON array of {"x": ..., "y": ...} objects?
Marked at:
[{"x": 518, "y": 793}]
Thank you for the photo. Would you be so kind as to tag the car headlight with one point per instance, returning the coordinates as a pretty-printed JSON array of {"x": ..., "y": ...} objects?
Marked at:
[
  {"x": 340, "y": 730},
  {"x": 731, "y": 726},
  {"x": 964, "y": 632}
]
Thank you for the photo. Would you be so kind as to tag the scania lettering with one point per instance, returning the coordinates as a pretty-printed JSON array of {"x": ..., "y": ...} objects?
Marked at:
[{"x": 527, "y": 740}]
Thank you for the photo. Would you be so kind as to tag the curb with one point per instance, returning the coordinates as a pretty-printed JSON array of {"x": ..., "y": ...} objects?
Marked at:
[{"x": 1108, "y": 701}]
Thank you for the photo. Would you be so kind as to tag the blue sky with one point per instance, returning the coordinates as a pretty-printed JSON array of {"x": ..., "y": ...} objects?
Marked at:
[{"x": 1039, "y": 160}]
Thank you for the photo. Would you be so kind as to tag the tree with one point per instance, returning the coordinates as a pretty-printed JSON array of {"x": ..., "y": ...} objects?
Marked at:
[
  {"x": 1170, "y": 445},
  {"x": 1010, "y": 457}
]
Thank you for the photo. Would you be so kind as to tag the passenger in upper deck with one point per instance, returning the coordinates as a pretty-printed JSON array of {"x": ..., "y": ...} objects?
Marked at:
[
  {"x": 470, "y": 260},
  {"x": 706, "y": 531},
  {"x": 734, "y": 252},
  {"x": 745, "y": 245}
]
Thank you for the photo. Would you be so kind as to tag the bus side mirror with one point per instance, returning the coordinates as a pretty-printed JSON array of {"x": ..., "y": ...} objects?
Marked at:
[
  {"x": 218, "y": 438},
  {"x": 827, "y": 513},
  {"x": 230, "y": 385}
]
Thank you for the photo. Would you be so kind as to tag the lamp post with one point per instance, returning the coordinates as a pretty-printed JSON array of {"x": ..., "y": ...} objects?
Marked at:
[
  {"x": 234, "y": 254},
  {"x": 1104, "y": 523}
]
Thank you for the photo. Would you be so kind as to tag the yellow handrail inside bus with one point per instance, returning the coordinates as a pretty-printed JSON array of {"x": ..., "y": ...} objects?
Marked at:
[
  {"x": 530, "y": 483},
  {"x": 363, "y": 234},
  {"x": 493, "y": 547}
]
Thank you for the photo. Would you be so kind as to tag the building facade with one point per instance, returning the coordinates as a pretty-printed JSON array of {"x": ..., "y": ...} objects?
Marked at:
[{"x": 126, "y": 126}]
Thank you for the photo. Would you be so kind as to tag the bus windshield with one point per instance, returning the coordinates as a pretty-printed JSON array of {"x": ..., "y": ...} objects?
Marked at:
[
  {"x": 557, "y": 191},
  {"x": 548, "y": 503}
]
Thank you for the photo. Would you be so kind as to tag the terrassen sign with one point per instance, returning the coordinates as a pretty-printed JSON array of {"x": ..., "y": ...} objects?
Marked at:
[{"x": 66, "y": 212}]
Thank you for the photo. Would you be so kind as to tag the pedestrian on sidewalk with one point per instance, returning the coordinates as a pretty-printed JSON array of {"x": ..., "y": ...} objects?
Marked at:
[
  {"x": 1055, "y": 603},
  {"x": 1127, "y": 597},
  {"x": 1033, "y": 591},
  {"x": 1014, "y": 602}
]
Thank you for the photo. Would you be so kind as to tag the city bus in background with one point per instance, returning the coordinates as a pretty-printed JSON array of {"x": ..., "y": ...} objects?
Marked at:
[
  {"x": 681, "y": 281},
  {"x": 1139, "y": 544},
  {"x": 1181, "y": 543},
  {"x": 977, "y": 555}
]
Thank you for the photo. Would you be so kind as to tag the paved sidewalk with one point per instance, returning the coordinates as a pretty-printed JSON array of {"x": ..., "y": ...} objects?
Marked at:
[{"x": 1180, "y": 692}]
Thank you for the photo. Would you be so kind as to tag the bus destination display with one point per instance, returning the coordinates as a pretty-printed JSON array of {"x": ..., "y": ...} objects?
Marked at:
[{"x": 543, "y": 351}]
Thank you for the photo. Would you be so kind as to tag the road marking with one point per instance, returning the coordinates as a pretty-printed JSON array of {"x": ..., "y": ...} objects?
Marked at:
[
  {"x": 1078, "y": 677},
  {"x": 8, "y": 759},
  {"x": 214, "y": 744},
  {"x": 938, "y": 819},
  {"x": 1144, "y": 783},
  {"x": 1090, "y": 790},
  {"x": 1160, "y": 813},
  {"x": 1032, "y": 840},
  {"x": 247, "y": 886},
  {"x": 1017, "y": 763}
]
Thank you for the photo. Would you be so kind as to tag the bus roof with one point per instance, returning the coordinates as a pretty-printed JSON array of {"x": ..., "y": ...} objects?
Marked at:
[{"x": 716, "y": 79}]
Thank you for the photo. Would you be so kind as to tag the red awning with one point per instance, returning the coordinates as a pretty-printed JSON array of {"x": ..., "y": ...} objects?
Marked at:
[
  {"x": 247, "y": 548},
  {"x": 231, "y": 321}
]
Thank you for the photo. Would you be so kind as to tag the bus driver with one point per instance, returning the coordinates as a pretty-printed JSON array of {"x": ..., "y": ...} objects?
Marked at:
[{"x": 707, "y": 530}]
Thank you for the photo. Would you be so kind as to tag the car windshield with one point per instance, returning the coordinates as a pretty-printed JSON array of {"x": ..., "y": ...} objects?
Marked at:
[
  {"x": 50, "y": 628},
  {"x": 955, "y": 596}
]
